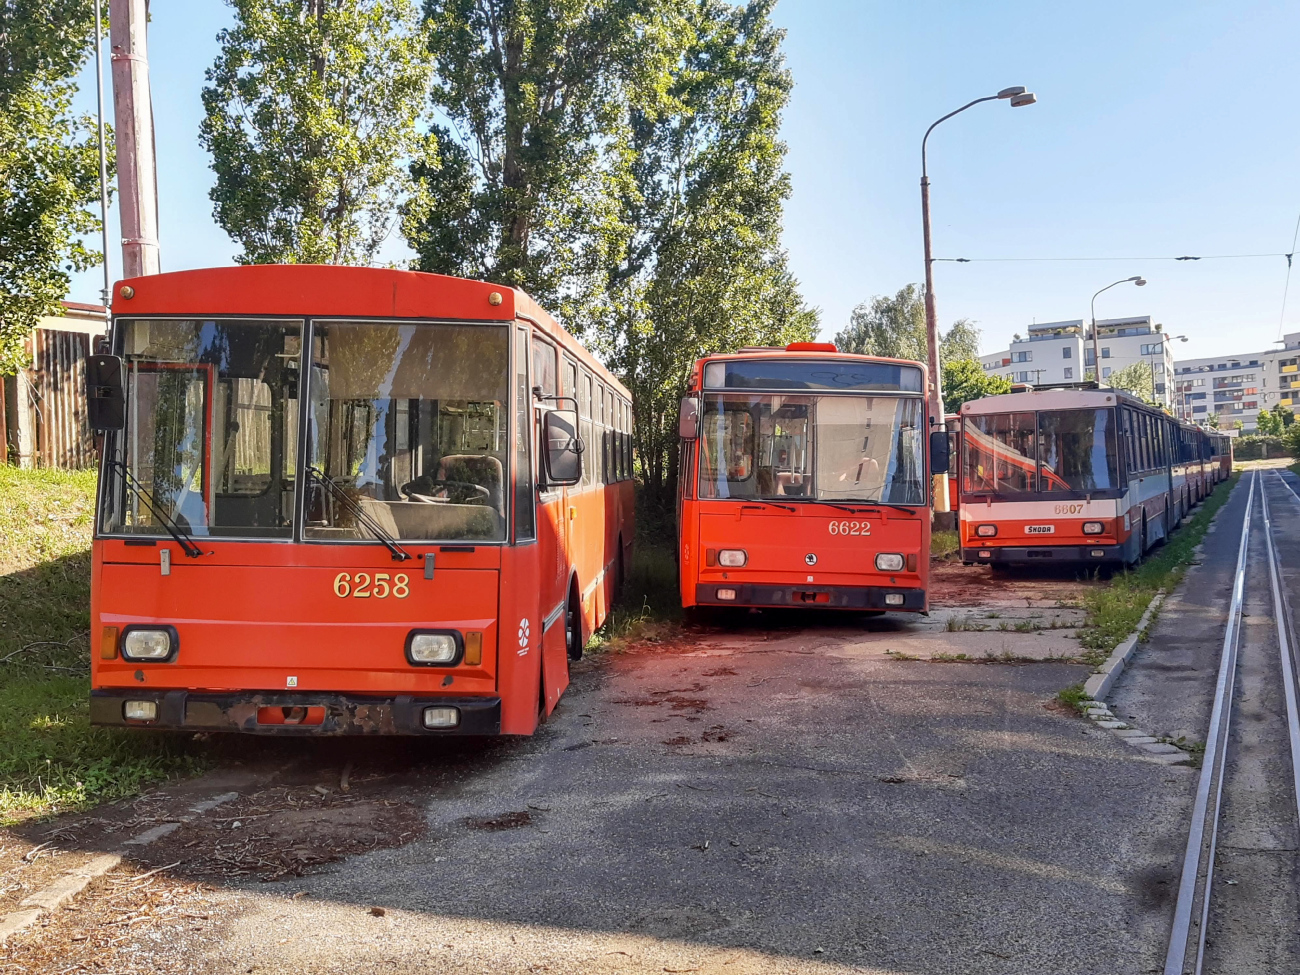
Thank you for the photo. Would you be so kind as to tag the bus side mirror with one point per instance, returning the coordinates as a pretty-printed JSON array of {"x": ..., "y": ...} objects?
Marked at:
[
  {"x": 563, "y": 447},
  {"x": 939, "y": 452},
  {"x": 105, "y": 392},
  {"x": 688, "y": 419}
]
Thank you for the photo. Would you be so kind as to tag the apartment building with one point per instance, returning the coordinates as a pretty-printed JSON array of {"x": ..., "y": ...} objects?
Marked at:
[
  {"x": 1061, "y": 352},
  {"x": 1235, "y": 388}
]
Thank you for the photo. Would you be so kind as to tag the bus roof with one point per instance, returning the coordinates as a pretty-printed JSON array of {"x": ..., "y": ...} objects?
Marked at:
[
  {"x": 1055, "y": 399},
  {"x": 338, "y": 291}
]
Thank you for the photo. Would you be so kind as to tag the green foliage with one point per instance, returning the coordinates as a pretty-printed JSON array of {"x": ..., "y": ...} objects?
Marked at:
[
  {"x": 894, "y": 326},
  {"x": 703, "y": 271},
  {"x": 1291, "y": 439},
  {"x": 1135, "y": 379},
  {"x": 1258, "y": 447},
  {"x": 965, "y": 379},
  {"x": 49, "y": 163},
  {"x": 50, "y": 757},
  {"x": 312, "y": 110},
  {"x": 521, "y": 186},
  {"x": 1274, "y": 422}
]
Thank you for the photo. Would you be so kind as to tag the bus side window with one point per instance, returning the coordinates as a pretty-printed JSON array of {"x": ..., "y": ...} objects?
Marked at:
[
  {"x": 544, "y": 366},
  {"x": 525, "y": 505},
  {"x": 587, "y": 426}
]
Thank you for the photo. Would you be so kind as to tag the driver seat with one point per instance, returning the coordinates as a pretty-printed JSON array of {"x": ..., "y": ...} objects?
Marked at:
[{"x": 482, "y": 469}]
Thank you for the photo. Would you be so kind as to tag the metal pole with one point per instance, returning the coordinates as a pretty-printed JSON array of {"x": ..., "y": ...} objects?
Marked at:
[
  {"x": 137, "y": 181},
  {"x": 1096, "y": 346},
  {"x": 103, "y": 152}
]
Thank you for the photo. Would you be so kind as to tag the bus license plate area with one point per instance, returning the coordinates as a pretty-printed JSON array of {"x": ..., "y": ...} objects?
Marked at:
[
  {"x": 1040, "y": 529},
  {"x": 295, "y": 714}
]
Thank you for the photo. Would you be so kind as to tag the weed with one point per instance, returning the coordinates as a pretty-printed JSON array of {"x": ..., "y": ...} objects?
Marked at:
[
  {"x": 900, "y": 655},
  {"x": 956, "y": 625},
  {"x": 1074, "y": 696},
  {"x": 649, "y": 605},
  {"x": 944, "y": 545},
  {"x": 50, "y": 757}
]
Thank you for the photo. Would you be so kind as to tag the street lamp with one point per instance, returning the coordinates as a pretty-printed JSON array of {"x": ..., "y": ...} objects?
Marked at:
[
  {"x": 1018, "y": 97},
  {"x": 1096, "y": 348},
  {"x": 1161, "y": 353}
]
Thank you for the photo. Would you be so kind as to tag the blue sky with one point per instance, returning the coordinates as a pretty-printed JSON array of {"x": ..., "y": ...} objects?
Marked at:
[{"x": 1161, "y": 129}]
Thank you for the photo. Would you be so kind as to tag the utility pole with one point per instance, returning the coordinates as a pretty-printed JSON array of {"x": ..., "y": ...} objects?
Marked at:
[
  {"x": 137, "y": 178},
  {"x": 104, "y": 296}
]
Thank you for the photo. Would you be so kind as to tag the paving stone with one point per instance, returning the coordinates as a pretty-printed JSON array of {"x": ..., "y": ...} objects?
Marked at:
[{"x": 1162, "y": 748}]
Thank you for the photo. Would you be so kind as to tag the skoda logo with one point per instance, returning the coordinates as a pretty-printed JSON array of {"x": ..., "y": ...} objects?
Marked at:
[{"x": 810, "y": 558}]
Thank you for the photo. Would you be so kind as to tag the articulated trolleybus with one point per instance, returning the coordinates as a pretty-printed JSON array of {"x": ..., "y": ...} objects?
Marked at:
[
  {"x": 804, "y": 481},
  {"x": 348, "y": 501},
  {"x": 1077, "y": 475}
]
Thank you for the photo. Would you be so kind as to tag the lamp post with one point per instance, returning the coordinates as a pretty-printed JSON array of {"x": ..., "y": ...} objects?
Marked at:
[
  {"x": 1096, "y": 347},
  {"x": 1152, "y": 363},
  {"x": 1018, "y": 97}
]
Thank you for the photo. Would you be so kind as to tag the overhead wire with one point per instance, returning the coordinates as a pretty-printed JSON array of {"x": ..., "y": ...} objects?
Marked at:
[
  {"x": 1184, "y": 257},
  {"x": 1286, "y": 288}
]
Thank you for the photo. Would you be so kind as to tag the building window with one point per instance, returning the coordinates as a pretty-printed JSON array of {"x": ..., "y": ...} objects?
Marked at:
[
  {"x": 1105, "y": 353},
  {"x": 1069, "y": 372},
  {"x": 1198, "y": 409},
  {"x": 1022, "y": 356},
  {"x": 1105, "y": 372},
  {"x": 1067, "y": 352}
]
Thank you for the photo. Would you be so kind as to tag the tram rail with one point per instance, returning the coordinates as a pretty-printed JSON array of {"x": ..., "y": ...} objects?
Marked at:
[{"x": 1193, "y": 921}]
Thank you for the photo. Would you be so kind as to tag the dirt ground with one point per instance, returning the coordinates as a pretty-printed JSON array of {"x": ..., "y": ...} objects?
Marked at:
[{"x": 953, "y": 584}]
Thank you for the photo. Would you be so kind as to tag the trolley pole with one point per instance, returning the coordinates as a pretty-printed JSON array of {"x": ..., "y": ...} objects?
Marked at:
[
  {"x": 1018, "y": 97},
  {"x": 137, "y": 178}
]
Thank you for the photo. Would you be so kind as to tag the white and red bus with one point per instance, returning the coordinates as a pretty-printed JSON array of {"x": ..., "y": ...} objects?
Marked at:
[
  {"x": 1074, "y": 475},
  {"x": 804, "y": 481},
  {"x": 341, "y": 500}
]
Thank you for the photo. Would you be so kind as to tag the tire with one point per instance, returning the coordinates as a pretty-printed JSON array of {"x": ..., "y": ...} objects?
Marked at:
[{"x": 573, "y": 629}]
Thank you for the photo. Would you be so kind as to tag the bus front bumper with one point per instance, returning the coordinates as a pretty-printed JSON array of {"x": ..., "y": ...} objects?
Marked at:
[
  {"x": 302, "y": 713},
  {"x": 1045, "y": 553},
  {"x": 812, "y": 597}
]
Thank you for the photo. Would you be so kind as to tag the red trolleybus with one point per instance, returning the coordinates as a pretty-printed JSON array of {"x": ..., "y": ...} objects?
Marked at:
[
  {"x": 1070, "y": 475},
  {"x": 803, "y": 481},
  {"x": 348, "y": 500}
]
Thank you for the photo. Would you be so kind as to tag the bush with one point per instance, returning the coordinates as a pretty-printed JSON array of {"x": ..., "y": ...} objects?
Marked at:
[
  {"x": 1291, "y": 440},
  {"x": 1258, "y": 448}
]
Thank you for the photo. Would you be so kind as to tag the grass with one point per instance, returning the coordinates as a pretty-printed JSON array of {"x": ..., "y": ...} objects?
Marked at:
[
  {"x": 650, "y": 604},
  {"x": 1073, "y": 696},
  {"x": 944, "y": 545},
  {"x": 51, "y": 760},
  {"x": 1113, "y": 611}
]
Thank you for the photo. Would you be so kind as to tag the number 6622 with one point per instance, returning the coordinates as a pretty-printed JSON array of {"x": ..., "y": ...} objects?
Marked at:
[{"x": 363, "y": 585}]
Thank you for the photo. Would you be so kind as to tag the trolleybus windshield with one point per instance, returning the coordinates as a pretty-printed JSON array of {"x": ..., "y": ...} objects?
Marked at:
[
  {"x": 411, "y": 422},
  {"x": 1048, "y": 451},
  {"x": 818, "y": 448},
  {"x": 211, "y": 428}
]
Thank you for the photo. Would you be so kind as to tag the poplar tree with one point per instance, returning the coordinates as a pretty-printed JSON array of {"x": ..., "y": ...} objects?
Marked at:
[
  {"x": 313, "y": 111},
  {"x": 49, "y": 164}
]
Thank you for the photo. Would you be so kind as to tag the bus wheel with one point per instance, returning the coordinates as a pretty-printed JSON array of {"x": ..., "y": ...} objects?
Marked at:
[{"x": 573, "y": 630}]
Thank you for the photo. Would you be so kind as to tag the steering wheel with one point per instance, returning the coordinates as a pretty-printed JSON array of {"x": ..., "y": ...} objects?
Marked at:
[{"x": 476, "y": 492}]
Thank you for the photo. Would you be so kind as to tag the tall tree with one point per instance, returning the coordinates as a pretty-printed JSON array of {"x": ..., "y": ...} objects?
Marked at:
[
  {"x": 894, "y": 326},
  {"x": 703, "y": 270},
  {"x": 313, "y": 110},
  {"x": 49, "y": 167},
  {"x": 1135, "y": 379},
  {"x": 965, "y": 379},
  {"x": 519, "y": 185}
]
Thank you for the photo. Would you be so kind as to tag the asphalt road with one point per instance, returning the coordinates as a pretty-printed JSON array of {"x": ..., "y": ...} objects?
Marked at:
[{"x": 803, "y": 803}]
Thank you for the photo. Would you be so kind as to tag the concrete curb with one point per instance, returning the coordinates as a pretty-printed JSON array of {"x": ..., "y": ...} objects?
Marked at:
[
  {"x": 72, "y": 883},
  {"x": 1099, "y": 685}
]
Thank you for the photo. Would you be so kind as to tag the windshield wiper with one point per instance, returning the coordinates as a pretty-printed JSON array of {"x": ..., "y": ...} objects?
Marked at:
[
  {"x": 881, "y": 504},
  {"x": 183, "y": 538},
  {"x": 399, "y": 554},
  {"x": 774, "y": 504}
]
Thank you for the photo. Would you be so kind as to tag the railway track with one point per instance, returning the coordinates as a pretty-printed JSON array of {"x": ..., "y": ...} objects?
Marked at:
[{"x": 1239, "y": 892}]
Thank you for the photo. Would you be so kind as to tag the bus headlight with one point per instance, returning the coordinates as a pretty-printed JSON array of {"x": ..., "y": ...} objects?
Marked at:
[
  {"x": 149, "y": 643},
  {"x": 140, "y": 710},
  {"x": 429, "y": 648},
  {"x": 986, "y": 531},
  {"x": 441, "y": 717},
  {"x": 733, "y": 558},
  {"x": 1093, "y": 528},
  {"x": 889, "y": 562}
]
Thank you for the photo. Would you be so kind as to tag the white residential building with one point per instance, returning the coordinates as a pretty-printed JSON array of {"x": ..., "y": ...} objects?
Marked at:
[
  {"x": 1049, "y": 355},
  {"x": 996, "y": 363},
  {"x": 1236, "y": 387},
  {"x": 1125, "y": 341}
]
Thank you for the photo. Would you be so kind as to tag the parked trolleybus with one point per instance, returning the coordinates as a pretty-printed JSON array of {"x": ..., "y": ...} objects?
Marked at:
[
  {"x": 805, "y": 481},
  {"x": 1076, "y": 475},
  {"x": 348, "y": 500}
]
